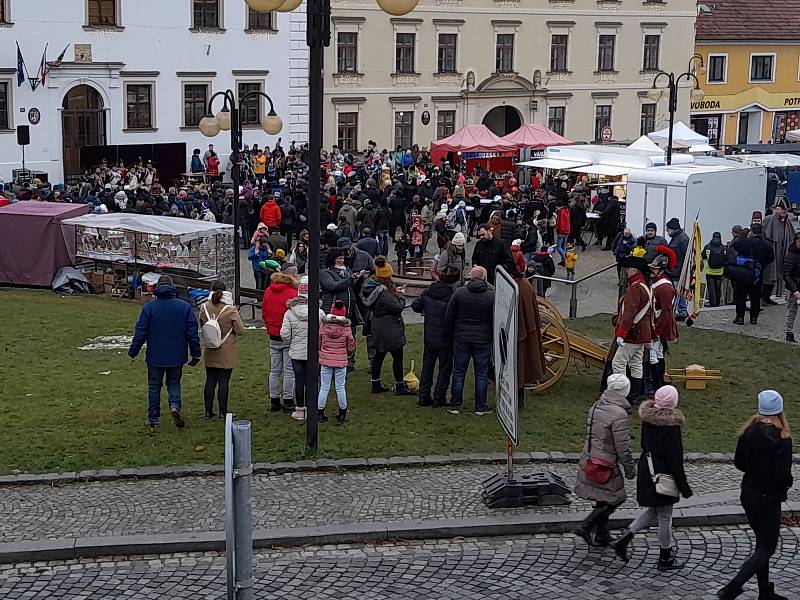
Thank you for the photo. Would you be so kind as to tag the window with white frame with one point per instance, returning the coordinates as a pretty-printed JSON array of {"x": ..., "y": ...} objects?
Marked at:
[
  {"x": 447, "y": 51},
  {"x": 405, "y": 49},
  {"x": 251, "y": 112},
  {"x": 195, "y": 103},
  {"x": 602, "y": 119},
  {"x": 558, "y": 52},
  {"x": 4, "y": 16},
  {"x": 648, "y": 118},
  {"x": 652, "y": 49},
  {"x": 504, "y": 54},
  {"x": 556, "y": 118},
  {"x": 206, "y": 14},
  {"x": 606, "y": 44},
  {"x": 404, "y": 128},
  {"x": 139, "y": 105},
  {"x": 762, "y": 67},
  {"x": 347, "y": 52},
  {"x": 260, "y": 21},
  {"x": 347, "y": 131},
  {"x": 5, "y": 105},
  {"x": 445, "y": 123},
  {"x": 717, "y": 68},
  {"x": 99, "y": 13}
]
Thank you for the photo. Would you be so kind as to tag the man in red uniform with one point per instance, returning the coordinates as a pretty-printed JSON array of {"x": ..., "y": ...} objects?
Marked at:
[
  {"x": 666, "y": 327},
  {"x": 634, "y": 323}
]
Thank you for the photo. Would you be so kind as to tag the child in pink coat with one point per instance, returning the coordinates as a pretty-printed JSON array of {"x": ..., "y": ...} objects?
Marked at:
[{"x": 336, "y": 341}]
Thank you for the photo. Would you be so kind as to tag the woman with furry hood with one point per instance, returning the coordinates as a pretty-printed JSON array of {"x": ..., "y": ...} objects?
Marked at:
[{"x": 662, "y": 443}]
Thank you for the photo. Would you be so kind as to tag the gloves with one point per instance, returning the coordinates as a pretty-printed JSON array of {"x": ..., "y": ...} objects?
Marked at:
[{"x": 620, "y": 341}]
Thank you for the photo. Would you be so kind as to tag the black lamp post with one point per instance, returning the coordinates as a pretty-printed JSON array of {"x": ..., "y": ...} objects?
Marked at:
[
  {"x": 229, "y": 119},
  {"x": 655, "y": 93},
  {"x": 318, "y": 37}
]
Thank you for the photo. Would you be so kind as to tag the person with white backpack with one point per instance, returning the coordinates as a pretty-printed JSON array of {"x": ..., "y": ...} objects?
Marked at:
[
  {"x": 220, "y": 326},
  {"x": 634, "y": 324}
]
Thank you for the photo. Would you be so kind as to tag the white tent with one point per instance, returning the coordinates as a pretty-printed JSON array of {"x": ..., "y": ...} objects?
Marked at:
[
  {"x": 793, "y": 136},
  {"x": 151, "y": 224},
  {"x": 701, "y": 148},
  {"x": 645, "y": 143},
  {"x": 681, "y": 135}
]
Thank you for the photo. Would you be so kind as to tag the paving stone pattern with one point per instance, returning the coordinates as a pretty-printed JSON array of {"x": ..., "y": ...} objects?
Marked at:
[
  {"x": 195, "y": 504},
  {"x": 531, "y": 567}
]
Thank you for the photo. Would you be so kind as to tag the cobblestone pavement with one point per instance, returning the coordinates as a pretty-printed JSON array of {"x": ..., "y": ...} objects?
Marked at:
[
  {"x": 190, "y": 504},
  {"x": 532, "y": 567}
]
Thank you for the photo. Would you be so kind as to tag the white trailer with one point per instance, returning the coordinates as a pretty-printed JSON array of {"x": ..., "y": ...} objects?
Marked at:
[{"x": 725, "y": 193}]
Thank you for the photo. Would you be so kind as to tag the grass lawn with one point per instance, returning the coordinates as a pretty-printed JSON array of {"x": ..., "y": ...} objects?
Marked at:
[{"x": 61, "y": 412}]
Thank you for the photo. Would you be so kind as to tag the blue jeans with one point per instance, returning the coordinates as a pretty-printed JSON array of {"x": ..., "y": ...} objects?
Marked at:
[
  {"x": 383, "y": 241},
  {"x": 561, "y": 245},
  {"x": 155, "y": 380},
  {"x": 481, "y": 355},
  {"x": 326, "y": 374}
]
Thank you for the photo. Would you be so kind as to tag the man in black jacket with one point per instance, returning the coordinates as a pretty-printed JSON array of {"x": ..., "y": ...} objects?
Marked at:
[
  {"x": 761, "y": 252},
  {"x": 791, "y": 277},
  {"x": 437, "y": 341},
  {"x": 469, "y": 321},
  {"x": 489, "y": 252}
]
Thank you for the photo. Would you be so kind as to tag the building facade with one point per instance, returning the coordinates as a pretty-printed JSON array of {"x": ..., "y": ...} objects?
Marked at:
[
  {"x": 752, "y": 78},
  {"x": 576, "y": 66},
  {"x": 137, "y": 76}
]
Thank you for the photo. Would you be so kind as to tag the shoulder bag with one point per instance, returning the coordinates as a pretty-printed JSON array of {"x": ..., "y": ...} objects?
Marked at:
[
  {"x": 665, "y": 484},
  {"x": 597, "y": 470}
]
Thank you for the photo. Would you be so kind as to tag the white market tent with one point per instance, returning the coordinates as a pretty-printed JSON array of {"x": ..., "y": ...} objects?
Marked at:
[
  {"x": 150, "y": 224},
  {"x": 611, "y": 161},
  {"x": 768, "y": 160},
  {"x": 793, "y": 136},
  {"x": 645, "y": 143},
  {"x": 682, "y": 135}
]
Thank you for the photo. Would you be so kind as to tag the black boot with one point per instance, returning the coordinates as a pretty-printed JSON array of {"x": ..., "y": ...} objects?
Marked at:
[
  {"x": 587, "y": 526},
  {"x": 426, "y": 401},
  {"x": 321, "y": 415},
  {"x": 275, "y": 405},
  {"x": 738, "y": 320},
  {"x": 730, "y": 592},
  {"x": 602, "y": 536},
  {"x": 667, "y": 560},
  {"x": 288, "y": 405},
  {"x": 378, "y": 387},
  {"x": 635, "y": 395},
  {"x": 341, "y": 417},
  {"x": 790, "y": 337},
  {"x": 621, "y": 546},
  {"x": 766, "y": 292},
  {"x": 767, "y": 592},
  {"x": 401, "y": 389}
]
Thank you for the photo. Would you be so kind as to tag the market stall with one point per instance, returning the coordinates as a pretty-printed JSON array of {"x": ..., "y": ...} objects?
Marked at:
[
  {"x": 130, "y": 243},
  {"x": 536, "y": 137},
  {"x": 32, "y": 245},
  {"x": 475, "y": 145}
]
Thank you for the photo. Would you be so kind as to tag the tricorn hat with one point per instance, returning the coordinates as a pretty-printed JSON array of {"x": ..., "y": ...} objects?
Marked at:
[{"x": 635, "y": 262}]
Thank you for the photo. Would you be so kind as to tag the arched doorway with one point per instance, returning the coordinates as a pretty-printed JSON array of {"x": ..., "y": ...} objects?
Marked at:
[
  {"x": 503, "y": 120},
  {"x": 83, "y": 122}
]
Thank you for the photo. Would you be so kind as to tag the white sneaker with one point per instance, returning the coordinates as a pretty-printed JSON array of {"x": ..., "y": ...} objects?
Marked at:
[
  {"x": 483, "y": 413},
  {"x": 299, "y": 414},
  {"x": 454, "y": 411}
]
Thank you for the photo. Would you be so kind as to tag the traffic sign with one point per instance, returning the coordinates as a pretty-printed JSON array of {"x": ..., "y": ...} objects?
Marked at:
[
  {"x": 606, "y": 134},
  {"x": 505, "y": 352}
]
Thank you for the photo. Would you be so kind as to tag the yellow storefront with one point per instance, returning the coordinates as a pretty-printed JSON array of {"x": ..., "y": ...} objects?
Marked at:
[{"x": 752, "y": 92}]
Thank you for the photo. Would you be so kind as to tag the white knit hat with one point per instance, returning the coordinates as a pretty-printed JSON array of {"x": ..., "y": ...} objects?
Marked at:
[{"x": 620, "y": 383}]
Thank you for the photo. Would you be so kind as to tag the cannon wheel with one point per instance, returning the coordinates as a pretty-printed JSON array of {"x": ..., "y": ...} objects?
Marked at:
[
  {"x": 555, "y": 343},
  {"x": 549, "y": 307}
]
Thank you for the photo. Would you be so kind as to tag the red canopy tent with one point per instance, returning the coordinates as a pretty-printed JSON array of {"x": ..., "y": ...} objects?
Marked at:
[
  {"x": 536, "y": 137},
  {"x": 32, "y": 246},
  {"x": 472, "y": 142}
]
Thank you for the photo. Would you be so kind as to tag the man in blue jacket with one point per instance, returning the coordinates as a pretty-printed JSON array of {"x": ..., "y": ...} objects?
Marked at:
[{"x": 169, "y": 328}]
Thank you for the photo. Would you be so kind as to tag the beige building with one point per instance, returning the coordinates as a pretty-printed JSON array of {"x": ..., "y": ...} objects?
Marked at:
[{"x": 574, "y": 65}]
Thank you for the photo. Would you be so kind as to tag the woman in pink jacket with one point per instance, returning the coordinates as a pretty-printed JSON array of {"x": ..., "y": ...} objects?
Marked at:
[{"x": 336, "y": 341}]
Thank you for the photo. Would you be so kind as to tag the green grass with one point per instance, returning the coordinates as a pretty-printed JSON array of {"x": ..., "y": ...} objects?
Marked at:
[{"x": 61, "y": 414}]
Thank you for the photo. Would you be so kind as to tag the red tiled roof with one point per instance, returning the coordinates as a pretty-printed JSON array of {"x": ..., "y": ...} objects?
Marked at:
[{"x": 733, "y": 20}]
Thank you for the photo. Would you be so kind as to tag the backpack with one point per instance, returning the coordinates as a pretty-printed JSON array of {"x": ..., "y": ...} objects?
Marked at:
[
  {"x": 211, "y": 333},
  {"x": 717, "y": 257},
  {"x": 451, "y": 221}
]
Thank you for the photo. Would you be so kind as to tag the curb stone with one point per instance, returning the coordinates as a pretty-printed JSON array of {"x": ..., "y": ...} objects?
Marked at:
[
  {"x": 355, "y": 533},
  {"x": 320, "y": 465}
]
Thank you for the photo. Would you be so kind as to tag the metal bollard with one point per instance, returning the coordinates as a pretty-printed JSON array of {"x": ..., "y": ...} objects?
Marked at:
[{"x": 239, "y": 520}]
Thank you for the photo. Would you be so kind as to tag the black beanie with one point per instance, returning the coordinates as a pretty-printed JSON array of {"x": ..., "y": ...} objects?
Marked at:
[
  {"x": 651, "y": 226},
  {"x": 673, "y": 224}
]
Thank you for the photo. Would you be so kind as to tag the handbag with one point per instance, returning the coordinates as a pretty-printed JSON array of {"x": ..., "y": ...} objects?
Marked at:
[
  {"x": 665, "y": 484},
  {"x": 597, "y": 470}
]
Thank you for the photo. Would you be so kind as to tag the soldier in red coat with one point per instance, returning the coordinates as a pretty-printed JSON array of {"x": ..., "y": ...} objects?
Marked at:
[
  {"x": 666, "y": 327},
  {"x": 634, "y": 323}
]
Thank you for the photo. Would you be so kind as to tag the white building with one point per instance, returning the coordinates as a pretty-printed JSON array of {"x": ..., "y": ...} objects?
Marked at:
[
  {"x": 576, "y": 66},
  {"x": 137, "y": 76}
]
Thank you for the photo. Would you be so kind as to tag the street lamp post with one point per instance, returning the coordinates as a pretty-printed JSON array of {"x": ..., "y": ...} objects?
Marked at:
[
  {"x": 229, "y": 119},
  {"x": 655, "y": 93},
  {"x": 318, "y": 37}
]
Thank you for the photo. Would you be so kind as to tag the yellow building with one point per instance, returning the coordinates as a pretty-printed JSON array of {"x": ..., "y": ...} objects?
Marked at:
[{"x": 751, "y": 50}]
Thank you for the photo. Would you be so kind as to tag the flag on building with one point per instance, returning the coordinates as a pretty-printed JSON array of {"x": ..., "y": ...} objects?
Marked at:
[
  {"x": 21, "y": 71},
  {"x": 41, "y": 77},
  {"x": 57, "y": 62}
]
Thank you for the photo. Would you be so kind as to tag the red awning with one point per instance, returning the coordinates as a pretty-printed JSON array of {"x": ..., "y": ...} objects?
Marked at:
[
  {"x": 472, "y": 138},
  {"x": 536, "y": 137}
]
